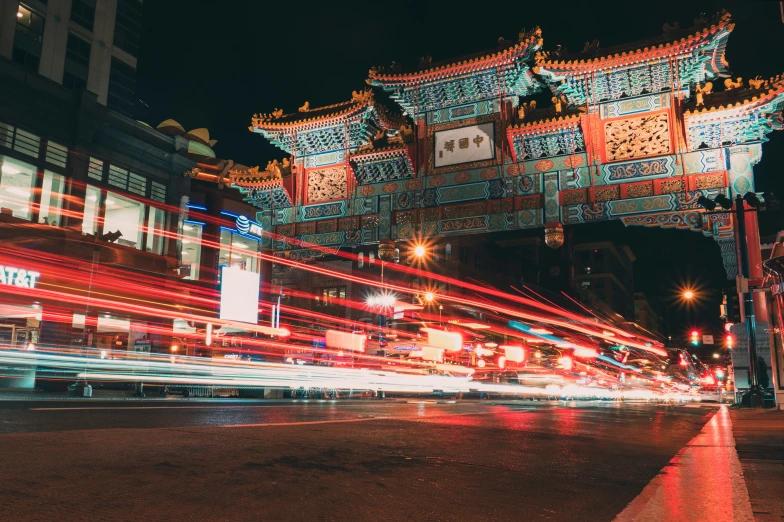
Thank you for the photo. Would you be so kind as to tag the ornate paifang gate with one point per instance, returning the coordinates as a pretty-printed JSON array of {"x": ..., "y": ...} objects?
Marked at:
[{"x": 635, "y": 134}]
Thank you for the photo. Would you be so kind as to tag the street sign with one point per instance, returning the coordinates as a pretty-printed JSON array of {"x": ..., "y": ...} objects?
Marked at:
[{"x": 707, "y": 339}]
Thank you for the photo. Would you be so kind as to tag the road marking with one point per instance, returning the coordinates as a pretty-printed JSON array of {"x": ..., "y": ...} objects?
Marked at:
[
  {"x": 301, "y": 423},
  {"x": 183, "y": 407},
  {"x": 362, "y": 419},
  {"x": 703, "y": 481}
]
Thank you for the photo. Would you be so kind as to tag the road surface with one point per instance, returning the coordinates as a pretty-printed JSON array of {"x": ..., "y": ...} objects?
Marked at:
[{"x": 341, "y": 460}]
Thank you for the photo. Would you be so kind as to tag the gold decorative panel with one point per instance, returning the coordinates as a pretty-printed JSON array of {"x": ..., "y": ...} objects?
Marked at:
[
  {"x": 349, "y": 223},
  {"x": 327, "y": 184},
  {"x": 575, "y": 198},
  {"x": 404, "y": 217},
  {"x": 709, "y": 182},
  {"x": 461, "y": 211},
  {"x": 501, "y": 205},
  {"x": 637, "y": 137},
  {"x": 673, "y": 185},
  {"x": 370, "y": 221},
  {"x": 530, "y": 203},
  {"x": 306, "y": 228},
  {"x": 428, "y": 214},
  {"x": 285, "y": 230},
  {"x": 639, "y": 191},
  {"x": 607, "y": 193},
  {"x": 326, "y": 226}
]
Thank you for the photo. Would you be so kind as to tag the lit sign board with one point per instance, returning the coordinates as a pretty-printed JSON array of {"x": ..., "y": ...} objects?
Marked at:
[
  {"x": 246, "y": 226},
  {"x": 18, "y": 277},
  {"x": 464, "y": 145},
  {"x": 239, "y": 295}
]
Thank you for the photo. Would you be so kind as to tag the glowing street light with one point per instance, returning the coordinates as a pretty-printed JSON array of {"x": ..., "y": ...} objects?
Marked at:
[
  {"x": 420, "y": 251},
  {"x": 429, "y": 297},
  {"x": 688, "y": 295}
]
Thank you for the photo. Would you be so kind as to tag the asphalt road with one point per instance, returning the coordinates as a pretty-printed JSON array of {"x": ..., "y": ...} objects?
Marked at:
[{"x": 344, "y": 460}]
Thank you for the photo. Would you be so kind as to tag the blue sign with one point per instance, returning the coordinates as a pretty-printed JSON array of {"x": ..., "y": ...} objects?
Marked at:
[{"x": 248, "y": 227}]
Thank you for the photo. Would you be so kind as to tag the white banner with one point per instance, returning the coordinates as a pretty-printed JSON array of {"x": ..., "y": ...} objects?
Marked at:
[{"x": 465, "y": 145}]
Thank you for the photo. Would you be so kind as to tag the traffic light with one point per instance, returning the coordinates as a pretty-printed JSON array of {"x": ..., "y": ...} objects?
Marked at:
[
  {"x": 729, "y": 341},
  {"x": 695, "y": 338},
  {"x": 730, "y": 307}
]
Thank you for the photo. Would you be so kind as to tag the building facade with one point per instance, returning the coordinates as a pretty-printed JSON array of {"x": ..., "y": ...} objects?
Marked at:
[
  {"x": 79, "y": 44},
  {"x": 605, "y": 272}
]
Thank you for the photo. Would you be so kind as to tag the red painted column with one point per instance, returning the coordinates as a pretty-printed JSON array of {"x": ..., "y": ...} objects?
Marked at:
[{"x": 755, "y": 264}]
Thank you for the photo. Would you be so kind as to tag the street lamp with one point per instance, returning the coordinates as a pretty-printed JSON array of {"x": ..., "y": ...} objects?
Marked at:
[
  {"x": 419, "y": 251},
  {"x": 688, "y": 295},
  {"x": 754, "y": 397},
  {"x": 386, "y": 252},
  {"x": 429, "y": 297}
]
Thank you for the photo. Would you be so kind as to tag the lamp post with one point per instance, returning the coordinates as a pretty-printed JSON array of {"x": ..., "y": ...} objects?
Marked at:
[{"x": 754, "y": 397}]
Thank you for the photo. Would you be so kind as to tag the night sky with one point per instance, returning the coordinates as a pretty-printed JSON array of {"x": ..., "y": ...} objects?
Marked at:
[{"x": 213, "y": 64}]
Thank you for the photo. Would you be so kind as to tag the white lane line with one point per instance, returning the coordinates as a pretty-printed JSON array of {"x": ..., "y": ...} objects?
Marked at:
[
  {"x": 704, "y": 481},
  {"x": 300, "y": 423},
  {"x": 144, "y": 408},
  {"x": 361, "y": 419}
]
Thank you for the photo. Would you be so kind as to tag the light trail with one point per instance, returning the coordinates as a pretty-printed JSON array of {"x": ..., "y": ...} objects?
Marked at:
[{"x": 191, "y": 371}]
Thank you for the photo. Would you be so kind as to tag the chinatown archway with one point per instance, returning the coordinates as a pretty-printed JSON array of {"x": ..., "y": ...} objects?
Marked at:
[{"x": 635, "y": 134}]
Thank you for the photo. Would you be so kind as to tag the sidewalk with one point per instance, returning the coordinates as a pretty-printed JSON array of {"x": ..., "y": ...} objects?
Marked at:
[
  {"x": 759, "y": 440},
  {"x": 702, "y": 482}
]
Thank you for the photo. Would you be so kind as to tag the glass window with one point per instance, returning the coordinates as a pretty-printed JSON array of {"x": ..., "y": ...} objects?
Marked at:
[
  {"x": 156, "y": 227},
  {"x": 16, "y": 187},
  {"x": 448, "y": 252},
  {"x": 83, "y": 13},
  {"x": 239, "y": 251},
  {"x": 191, "y": 250},
  {"x": 360, "y": 260},
  {"x": 56, "y": 154},
  {"x": 157, "y": 192},
  {"x": 51, "y": 199},
  {"x": 371, "y": 258},
  {"x": 128, "y": 26},
  {"x": 95, "y": 169},
  {"x": 126, "y": 216},
  {"x": 77, "y": 62},
  {"x": 92, "y": 203},
  {"x": 122, "y": 87},
  {"x": 27, "y": 38},
  {"x": 27, "y": 143}
]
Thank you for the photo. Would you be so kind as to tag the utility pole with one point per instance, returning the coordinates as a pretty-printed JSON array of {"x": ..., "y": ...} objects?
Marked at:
[{"x": 754, "y": 396}]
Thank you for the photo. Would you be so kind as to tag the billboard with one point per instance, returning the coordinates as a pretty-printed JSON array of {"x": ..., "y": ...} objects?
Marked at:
[
  {"x": 464, "y": 145},
  {"x": 239, "y": 295}
]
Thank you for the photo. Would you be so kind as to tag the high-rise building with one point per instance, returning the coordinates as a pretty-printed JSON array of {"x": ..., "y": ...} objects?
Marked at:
[
  {"x": 605, "y": 272},
  {"x": 80, "y": 44}
]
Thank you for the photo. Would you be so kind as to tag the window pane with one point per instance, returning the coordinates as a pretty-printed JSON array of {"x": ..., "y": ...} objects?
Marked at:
[
  {"x": 137, "y": 184},
  {"x": 122, "y": 87},
  {"x": 27, "y": 143},
  {"x": 157, "y": 192},
  {"x": 92, "y": 201},
  {"x": 51, "y": 199},
  {"x": 118, "y": 177},
  {"x": 56, "y": 154},
  {"x": 191, "y": 250},
  {"x": 155, "y": 230},
  {"x": 95, "y": 169},
  {"x": 128, "y": 26},
  {"x": 125, "y": 215},
  {"x": 83, "y": 13},
  {"x": 6, "y": 135},
  {"x": 243, "y": 253},
  {"x": 16, "y": 187}
]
